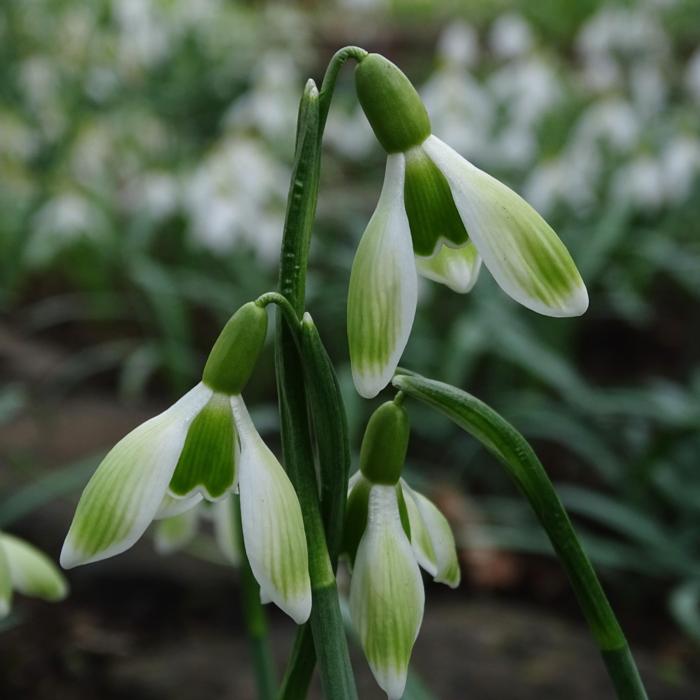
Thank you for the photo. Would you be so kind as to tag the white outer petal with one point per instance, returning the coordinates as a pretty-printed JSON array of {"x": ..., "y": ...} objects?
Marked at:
[
  {"x": 444, "y": 564},
  {"x": 31, "y": 571},
  {"x": 273, "y": 528},
  {"x": 488, "y": 209},
  {"x": 383, "y": 288},
  {"x": 386, "y": 592},
  {"x": 132, "y": 481}
]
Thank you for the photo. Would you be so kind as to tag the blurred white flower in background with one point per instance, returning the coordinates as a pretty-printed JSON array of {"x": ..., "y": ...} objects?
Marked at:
[
  {"x": 692, "y": 76},
  {"x": 680, "y": 163},
  {"x": 155, "y": 194},
  {"x": 510, "y": 36},
  {"x": 143, "y": 37},
  {"x": 237, "y": 195},
  {"x": 611, "y": 123},
  {"x": 640, "y": 183},
  {"x": 270, "y": 107},
  {"x": 63, "y": 220},
  {"x": 458, "y": 45}
]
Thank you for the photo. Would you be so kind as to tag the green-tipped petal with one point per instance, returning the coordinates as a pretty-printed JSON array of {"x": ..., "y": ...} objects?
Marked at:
[
  {"x": 386, "y": 593},
  {"x": 456, "y": 268},
  {"x": 519, "y": 248},
  {"x": 31, "y": 571},
  {"x": 207, "y": 463},
  {"x": 273, "y": 529},
  {"x": 176, "y": 532},
  {"x": 432, "y": 538},
  {"x": 383, "y": 288},
  {"x": 226, "y": 529},
  {"x": 5, "y": 585},
  {"x": 125, "y": 493}
]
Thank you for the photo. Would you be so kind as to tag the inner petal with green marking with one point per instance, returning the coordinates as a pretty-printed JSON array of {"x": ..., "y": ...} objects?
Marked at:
[
  {"x": 208, "y": 459},
  {"x": 432, "y": 213}
]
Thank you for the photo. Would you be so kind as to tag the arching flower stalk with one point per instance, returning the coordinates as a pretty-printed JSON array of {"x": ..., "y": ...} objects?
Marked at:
[
  {"x": 439, "y": 216},
  {"x": 205, "y": 446}
]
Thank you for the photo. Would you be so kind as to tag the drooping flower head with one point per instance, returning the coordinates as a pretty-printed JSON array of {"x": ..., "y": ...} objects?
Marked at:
[
  {"x": 25, "y": 569},
  {"x": 440, "y": 216},
  {"x": 390, "y": 530},
  {"x": 204, "y": 446}
]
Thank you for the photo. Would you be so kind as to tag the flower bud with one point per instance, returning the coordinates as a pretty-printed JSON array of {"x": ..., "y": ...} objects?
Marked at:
[
  {"x": 384, "y": 445},
  {"x": 236, "y": 350},
  {"x": 393, "y": 107}
]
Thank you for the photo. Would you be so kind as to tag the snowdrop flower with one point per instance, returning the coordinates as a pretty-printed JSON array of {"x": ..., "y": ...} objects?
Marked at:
[
  {"x": 459, "y": 45},
  {"x": 204, "y": 446},
  {"x": 439, "y": 215},
  {"x": 641, "y": 183},
  {"x": 391, "y": 530},
  {"x": 23, "y": 568}
]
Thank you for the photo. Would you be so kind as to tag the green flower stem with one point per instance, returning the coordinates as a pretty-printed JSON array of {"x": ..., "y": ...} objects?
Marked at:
[
  {"x": 330, "y": 644},
  {"x": 282, "y": 303},
  {"x": 256, "y": 623},
  {"x": 328, "y": 84},
  {"x": 521, "y": 462}
]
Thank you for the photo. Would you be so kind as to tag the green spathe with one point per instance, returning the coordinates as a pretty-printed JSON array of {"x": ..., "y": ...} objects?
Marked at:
[
  {"x": 208, "y": 459},
  {"x": 384, "y": 445},
  {"x": 431, "y": 210},
  {"x": 393, "y": 107},
  {"x": 236, "y": 350}
]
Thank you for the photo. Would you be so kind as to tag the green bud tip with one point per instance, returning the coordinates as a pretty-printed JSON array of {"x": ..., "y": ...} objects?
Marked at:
[
  {"x": 236, "y": 350},
  {"x": 384, "y": 445},
  {"x": 393, "y": 107}
]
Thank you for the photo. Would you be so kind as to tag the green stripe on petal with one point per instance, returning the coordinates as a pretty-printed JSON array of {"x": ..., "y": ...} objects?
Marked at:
[
  {"x": 383, "y": 288},
  {"x": 5, "y": 584},
  {"x": 273, "y": 529},
  {"x": 520, "y": 249},
  {"x": 456, "y": 268},
  {"x": 176, "y": 532},
  {"x": 125, "y": 493},
  {"x": 207, "y": 464},
  {"x": 386, "y": 593},
  {"x": 31, "y": 571},
  {"x": 431, "y": 210},
  {"x": 435, "y": 543}
]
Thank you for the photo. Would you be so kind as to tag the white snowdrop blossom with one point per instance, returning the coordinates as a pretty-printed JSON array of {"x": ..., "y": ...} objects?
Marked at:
[
  {"x": 439, "y": 215},
  {"x": 391, "y": 531},
  {"x": 204, "y": 446}
]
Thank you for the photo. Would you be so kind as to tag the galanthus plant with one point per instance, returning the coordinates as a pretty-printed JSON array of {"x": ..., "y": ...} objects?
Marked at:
[{"x": 438, "y": 216}]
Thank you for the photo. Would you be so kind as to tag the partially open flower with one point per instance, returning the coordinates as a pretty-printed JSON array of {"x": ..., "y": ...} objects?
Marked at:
[
  {"x": 390, "y": 530},
  {"x": 204, "y": 446},
  {"x": 23, "y": 568},
  {"x": 441, "y": 216}
]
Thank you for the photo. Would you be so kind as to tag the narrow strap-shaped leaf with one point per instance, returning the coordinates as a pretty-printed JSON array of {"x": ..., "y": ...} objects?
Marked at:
[
  {"x": 521, "y": 462},
  {"x": 327, "y": 413},
  {"x": 330, "y": 644}
]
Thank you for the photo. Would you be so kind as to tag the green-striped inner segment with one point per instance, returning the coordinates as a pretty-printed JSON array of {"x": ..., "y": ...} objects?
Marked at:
[
  {"x": 430, "y": 207},
  {"x": 207, "y": 461}
]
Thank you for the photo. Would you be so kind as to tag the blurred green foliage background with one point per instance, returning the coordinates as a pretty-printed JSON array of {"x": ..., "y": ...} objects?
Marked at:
[{"x": 145, "y": 151}]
